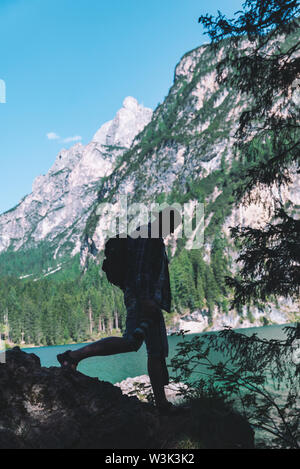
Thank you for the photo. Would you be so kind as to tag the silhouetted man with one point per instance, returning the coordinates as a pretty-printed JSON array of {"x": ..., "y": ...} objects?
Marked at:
[{"x": 146, "y": 293}]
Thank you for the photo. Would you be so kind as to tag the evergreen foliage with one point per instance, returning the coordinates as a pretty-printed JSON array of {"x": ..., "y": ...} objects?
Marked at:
[
  {"x": 257, "y": 377},
  {"x": 68, "y": 308},
  {"x": 52, "y": 311}
]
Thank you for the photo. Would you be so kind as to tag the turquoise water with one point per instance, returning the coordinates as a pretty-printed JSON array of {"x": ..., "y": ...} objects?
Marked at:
[{"x": 116, "y": 368}]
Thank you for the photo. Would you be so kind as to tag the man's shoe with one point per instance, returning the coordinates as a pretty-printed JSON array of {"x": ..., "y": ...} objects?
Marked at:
[{"x": 66, "y": 361}]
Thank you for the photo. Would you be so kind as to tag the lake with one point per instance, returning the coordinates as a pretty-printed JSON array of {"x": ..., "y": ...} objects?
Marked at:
[{"x": 116, "y": 368}]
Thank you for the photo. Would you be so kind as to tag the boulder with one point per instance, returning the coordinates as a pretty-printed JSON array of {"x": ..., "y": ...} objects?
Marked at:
[{"x": 54, "y": 408}]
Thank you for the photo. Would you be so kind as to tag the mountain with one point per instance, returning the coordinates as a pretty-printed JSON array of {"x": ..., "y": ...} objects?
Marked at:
[
  {"x": 186, "y": 154},
  {"x": 56, "y": 211},
  {"x": 183, "y": 152}
]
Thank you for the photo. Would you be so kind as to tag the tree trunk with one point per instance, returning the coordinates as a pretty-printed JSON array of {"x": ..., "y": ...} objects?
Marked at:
[
  {"x": 90, "y": 318},
  {"x": 6, "y": 328},
  {"x": 116, "y": 320}
]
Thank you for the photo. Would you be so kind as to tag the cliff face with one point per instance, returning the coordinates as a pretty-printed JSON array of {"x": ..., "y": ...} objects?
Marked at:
[
  {"x": 189, "y": 140},
  {"x": 191, "y": 135},
  {"x": 50, "y": 408}
]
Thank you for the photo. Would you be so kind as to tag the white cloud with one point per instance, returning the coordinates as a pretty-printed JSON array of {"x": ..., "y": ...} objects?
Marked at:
[
  {"x": 76, "y": 138},
  {"x": 52, "y": 136}
]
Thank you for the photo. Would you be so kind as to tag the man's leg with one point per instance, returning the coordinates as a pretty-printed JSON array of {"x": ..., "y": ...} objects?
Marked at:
[
  {"x": 106, "y": 346},
  {"x": 114, "y": 345},
  {"x": 157, "y": 348},
  {"x": 159, "y": 377}
]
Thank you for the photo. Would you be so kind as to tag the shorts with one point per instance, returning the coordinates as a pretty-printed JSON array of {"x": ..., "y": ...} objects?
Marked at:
[{"x": 156, "y": 337}]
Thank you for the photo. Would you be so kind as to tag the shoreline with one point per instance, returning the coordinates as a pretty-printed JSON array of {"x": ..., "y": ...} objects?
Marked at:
[{"x": 33, "y": 346}]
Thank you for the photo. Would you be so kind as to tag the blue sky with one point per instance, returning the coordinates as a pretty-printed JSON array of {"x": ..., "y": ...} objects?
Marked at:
[{"x": 68, "y": 64}]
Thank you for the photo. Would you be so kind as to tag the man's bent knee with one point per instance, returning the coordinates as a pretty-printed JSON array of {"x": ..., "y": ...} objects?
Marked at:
[{"x": 134, "y": 343}]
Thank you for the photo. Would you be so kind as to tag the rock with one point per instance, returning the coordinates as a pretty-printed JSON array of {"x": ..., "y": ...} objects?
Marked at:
[
  {"x": 140, "y": 386},
  {"x": 57, "y": 409},
  {"x": 52, "y": 408}
]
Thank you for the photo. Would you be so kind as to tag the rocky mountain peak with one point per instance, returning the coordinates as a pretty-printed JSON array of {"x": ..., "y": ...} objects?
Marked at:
[
  {"x": 128, "y": 122},
  {"x": 58, "y": 207},
  {"x": 130, "y": 103},
  {"x": 186, "y": 67}
]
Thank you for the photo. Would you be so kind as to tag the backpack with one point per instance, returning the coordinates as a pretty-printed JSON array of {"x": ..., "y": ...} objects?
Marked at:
[{"x": 115, "y": 264}]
